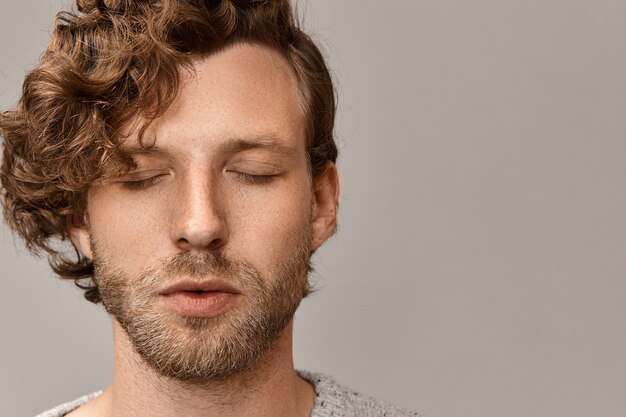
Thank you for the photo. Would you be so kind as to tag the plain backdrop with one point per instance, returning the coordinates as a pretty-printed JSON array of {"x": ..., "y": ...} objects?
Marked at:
[{"x": 479, "y": 268}]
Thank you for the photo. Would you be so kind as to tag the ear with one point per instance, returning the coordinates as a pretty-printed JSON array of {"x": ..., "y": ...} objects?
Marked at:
[
  {"x": 79, "y": 236},
  {"x": 325, "y": 203}
]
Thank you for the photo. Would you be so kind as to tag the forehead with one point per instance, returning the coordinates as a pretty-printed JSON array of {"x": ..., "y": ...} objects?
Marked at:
[{"x": 242, "y": 94}]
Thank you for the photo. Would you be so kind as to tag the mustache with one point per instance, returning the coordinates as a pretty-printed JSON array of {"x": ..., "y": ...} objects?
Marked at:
[{"x": 199, "y": 265}]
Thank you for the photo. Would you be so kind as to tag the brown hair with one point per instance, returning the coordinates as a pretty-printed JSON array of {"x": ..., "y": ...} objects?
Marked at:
[{"x": 112, "y": 63}]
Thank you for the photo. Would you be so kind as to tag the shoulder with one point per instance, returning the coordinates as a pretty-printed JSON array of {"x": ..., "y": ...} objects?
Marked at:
[
  {"x": 335, "y": 400},
  {"x": 66, "y": 408}
]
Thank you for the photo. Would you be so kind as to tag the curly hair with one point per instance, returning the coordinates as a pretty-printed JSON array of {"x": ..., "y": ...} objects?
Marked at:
[{"x": 117, "y": 63}]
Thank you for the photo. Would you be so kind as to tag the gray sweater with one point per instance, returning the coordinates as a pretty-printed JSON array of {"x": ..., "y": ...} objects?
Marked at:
[{"x": 331, "y": 400}]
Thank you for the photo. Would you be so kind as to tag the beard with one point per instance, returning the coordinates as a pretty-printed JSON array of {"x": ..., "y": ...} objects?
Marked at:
[{"x": 202, "y": 349}]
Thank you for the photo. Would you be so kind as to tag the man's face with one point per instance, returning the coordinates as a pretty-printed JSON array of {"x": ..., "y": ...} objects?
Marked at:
[{"x": 202, "y": 251}]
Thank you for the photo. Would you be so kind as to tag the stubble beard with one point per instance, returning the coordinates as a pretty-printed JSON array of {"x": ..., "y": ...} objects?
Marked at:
[{"x": 199, "y": 350}]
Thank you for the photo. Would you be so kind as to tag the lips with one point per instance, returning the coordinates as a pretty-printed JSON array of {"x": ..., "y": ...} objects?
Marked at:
[
  {"x": 200, "y": 298},
  {"x": 199, "y": 287}
]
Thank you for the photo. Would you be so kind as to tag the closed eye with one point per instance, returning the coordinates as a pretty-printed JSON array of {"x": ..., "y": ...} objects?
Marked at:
[
  {"x": 254, "y": 178},
  {"x": 143, "y": 183}
]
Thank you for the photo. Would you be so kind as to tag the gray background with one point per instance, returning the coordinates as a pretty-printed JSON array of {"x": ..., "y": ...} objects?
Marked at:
[{"x": 479, "y": 267}]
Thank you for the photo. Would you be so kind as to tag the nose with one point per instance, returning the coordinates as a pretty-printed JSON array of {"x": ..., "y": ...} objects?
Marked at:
[{"x": 199, "y": 222}]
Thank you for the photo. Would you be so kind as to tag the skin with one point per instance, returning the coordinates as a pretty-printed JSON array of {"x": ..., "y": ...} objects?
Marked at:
[{"x": 239, "y": 114}]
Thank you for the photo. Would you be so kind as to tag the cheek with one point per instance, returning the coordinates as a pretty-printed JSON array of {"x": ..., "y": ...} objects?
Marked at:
[
  {"x": 126, "y": 231},
  {"x": 270, "y": 227}
]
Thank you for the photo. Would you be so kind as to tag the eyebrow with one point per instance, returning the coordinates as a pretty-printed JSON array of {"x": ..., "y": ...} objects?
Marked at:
[
  {"x": 233, "y": 145},
  {"x": 269, "y": 143}
]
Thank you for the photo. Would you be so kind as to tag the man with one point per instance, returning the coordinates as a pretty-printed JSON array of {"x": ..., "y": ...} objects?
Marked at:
[{"x": 185, "y": 149}]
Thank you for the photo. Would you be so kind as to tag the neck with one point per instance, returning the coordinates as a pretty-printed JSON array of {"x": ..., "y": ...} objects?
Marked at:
[{"x": 272, "y": 388}]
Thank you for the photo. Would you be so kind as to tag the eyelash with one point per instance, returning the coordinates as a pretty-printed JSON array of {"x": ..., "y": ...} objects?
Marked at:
[
  {"x": 141, "y": 184},
  {"x": 255, "y": 179},
  {"x": 250, "y": 178}
]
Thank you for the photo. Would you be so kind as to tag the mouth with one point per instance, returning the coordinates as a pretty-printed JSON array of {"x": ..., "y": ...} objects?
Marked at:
[
  {"x": 200, "y": 298},
  {"x": 201, "y": 287}
]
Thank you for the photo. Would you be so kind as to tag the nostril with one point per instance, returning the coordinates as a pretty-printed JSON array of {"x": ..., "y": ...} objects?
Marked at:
[{"x": 189, "y": 244}]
